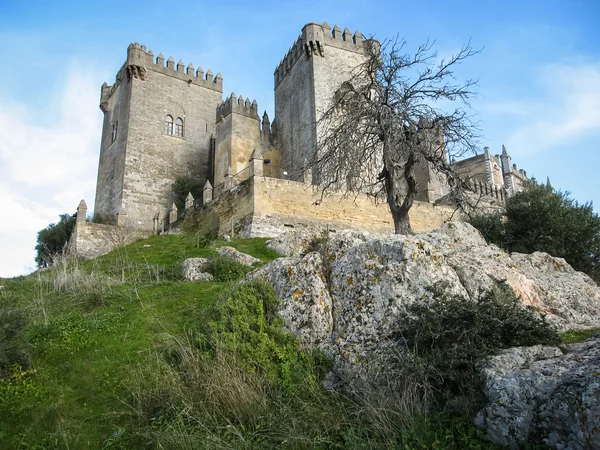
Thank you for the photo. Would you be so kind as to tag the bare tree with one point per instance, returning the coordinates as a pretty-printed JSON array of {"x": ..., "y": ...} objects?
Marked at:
[{"x": 396, "y": 113}]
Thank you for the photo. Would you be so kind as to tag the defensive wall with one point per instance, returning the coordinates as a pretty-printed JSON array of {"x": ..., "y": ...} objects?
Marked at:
[{"x": 89, "y": 240}]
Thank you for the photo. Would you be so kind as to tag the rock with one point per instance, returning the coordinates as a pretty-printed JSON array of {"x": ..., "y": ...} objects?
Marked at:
[
  {"x": 293, "y": 243},
  {"x": 242, "y": 258},
  {"x": 541, "y": 392},
  {"x": 307, "y": 307},
  {"x": 193, "y": 269},
  {"x": 371, "y": 280}
]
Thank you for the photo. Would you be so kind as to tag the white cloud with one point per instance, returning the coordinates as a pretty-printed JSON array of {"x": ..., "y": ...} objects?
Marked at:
[
  {"x": 46, "y": 166},
  {"x": 567, "y": 112}
]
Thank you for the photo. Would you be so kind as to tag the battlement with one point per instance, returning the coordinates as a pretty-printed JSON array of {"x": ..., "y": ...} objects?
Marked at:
[
  {"x": 237, "y": 105},
  {"x": 313, "y": 41}
]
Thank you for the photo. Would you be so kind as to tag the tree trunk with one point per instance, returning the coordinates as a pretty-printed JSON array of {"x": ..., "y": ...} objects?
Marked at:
[{"x": 399, "y": 208}]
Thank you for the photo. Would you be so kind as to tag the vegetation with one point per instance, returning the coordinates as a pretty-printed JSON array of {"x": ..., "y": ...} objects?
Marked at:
[
  {"x": 542, "y": 219},
  {"x": 398, "y": 114},
  {"x": 119, "y": 353},
  {"x": 182, "y": 187},
  {"x": 449, "y": 337},
  {"x": 52, "y": 239}
]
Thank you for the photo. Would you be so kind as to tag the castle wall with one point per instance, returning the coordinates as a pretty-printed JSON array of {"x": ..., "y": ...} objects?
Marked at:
[
  {"x": 111, "y": 166},
  {"x": 154, "y": 159},
  {"x": 90, "y": 240},
  {"x": 282, "y": 204},
  {"x": 295, "y": 116},
  {"x": 267, "y": 207}
]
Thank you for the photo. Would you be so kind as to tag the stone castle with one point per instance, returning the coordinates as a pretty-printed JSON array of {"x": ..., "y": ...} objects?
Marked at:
[{"x": 164, "y": 121}]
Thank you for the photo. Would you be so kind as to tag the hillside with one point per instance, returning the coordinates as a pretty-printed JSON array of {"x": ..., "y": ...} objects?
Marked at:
[
  {"x": 84, "y": 330},
  {"x": 121, "y": 352}
]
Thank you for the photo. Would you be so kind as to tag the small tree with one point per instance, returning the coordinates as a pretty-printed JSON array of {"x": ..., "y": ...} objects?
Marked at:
[
  {"x": 390, "y": 118},
  {"x": 541, "y": 219},
  {"x": 52, "y": 239}
]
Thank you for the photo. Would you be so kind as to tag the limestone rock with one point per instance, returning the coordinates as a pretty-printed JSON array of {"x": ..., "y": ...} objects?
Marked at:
[
  {"x": 193, "y": 269},
  {"x": 293, "y": 243},
  {"x": 307, "y": 306},
  {"x": 242, "y": 258},
  {"x": 539, "y": 391},
  {"x": 371, "y": 280}
]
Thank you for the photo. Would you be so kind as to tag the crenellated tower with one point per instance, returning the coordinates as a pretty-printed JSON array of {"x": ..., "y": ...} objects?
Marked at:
[
  {"x": 316, "y": 65},
  {"x": 159, "y": 123},
  {"x": 238, "y": 134}
]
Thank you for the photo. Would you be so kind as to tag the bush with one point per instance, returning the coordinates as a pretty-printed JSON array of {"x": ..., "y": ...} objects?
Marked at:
[
  {"x": 247, "y": 325},
  {"x": 449, "y": 336},
  {"x": 226, "y": 269},
  {"x": 542, "y": 219},
  {"x": 52, "y": 239}
]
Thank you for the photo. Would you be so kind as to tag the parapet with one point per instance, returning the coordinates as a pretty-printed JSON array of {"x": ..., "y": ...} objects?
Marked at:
[
  {"x": 313, "y": 41},
  {"x": 238, "y": 105},
  {"x": 139, "y": 61}
]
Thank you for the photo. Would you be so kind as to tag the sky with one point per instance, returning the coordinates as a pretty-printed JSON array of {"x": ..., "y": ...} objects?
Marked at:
[{"x": 538, "y": 72}]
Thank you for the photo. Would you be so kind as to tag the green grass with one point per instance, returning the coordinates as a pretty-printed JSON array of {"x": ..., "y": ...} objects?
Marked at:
[
  {"x": 85, "y": 339},
  {"x": 577, "y": 336}
]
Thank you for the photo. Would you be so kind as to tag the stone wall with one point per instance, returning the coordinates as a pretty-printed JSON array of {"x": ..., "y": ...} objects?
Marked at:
[
  {"x": 90, "y": 240},
  {"x": 267, "y": 207}
]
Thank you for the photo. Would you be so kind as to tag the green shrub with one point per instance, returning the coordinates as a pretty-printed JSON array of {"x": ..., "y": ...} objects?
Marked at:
[
  {"x": 226, "y": 269},
  {"x": 449, "y": 336},
  {"x": 246, "y": 326}
]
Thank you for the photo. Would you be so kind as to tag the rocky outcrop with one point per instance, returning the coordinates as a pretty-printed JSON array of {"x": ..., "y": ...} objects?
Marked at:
[
  {"x": 308, "y": 309},
  {"x": 295, "y": 242},
  {"x": 348, "y": 298},
  {"x": 242, "y": 258},
  {"x": 371, "y": 280},
  {"x": 540, "y": 393},
  {"x": 194, "y": 269}
]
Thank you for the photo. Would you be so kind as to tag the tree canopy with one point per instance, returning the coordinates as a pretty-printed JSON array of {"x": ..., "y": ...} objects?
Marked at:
[
  {"x": 539, "y": 218},
  {"x": 397, "y": 114},
  {"x": 52, "y": 239}
]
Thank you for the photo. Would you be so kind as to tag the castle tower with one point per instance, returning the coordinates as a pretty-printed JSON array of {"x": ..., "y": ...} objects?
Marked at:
[
  {"x": 306, "y": 79},
  {"x": 237, "y": 135},
  {"x": 158, "y": 126}
]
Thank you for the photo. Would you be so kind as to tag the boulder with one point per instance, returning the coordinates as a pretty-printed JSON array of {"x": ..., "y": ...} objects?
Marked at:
[
  {"x": 371, "y": 280},
  {"x": 293, "y": 243},
  {"x": 544, "y": 394},
  {"x": 307, "y": 310},
  {"x": 242, "y": 258},
  {"x": 193, "y": 269}
]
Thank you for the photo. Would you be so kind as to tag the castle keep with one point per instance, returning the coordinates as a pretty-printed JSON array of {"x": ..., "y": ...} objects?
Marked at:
[{"x": 164, "y": 121}]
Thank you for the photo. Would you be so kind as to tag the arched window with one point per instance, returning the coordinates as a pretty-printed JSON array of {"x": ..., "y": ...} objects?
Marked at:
[
  {"x": 179, "y": 127},
  {"x": 114, "y": 131},
  {"x": 169, "y": 125}
]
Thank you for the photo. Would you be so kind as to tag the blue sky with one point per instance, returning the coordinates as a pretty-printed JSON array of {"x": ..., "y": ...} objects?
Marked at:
[{"x": 539, "y": 85}]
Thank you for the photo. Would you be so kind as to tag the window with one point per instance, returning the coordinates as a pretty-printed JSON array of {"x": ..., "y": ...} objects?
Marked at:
[
  {"x": 114, "y": 132},
  {"x": 179, "y": 127},
  {"x": 169, "y": 125}
]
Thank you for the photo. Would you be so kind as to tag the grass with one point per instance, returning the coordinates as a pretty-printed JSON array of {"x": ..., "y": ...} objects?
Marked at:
[
  {"x": 89, "y": 323},
  {"x": 577, "y": 336}
]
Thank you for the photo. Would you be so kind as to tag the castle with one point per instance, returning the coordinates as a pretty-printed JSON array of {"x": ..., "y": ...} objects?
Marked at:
[{"x": 164, "y": 121}]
